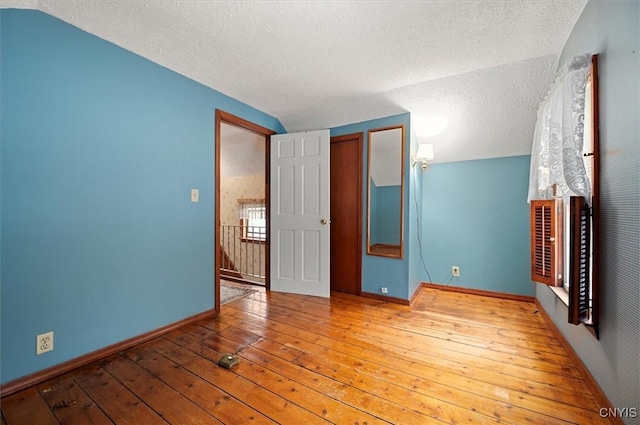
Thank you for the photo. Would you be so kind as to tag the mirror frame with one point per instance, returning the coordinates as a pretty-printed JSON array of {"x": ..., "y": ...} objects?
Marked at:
[{"x": 386, "y": 253}]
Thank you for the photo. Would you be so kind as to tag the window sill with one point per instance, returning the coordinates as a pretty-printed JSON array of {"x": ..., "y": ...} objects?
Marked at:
[
  {"x": 561, "y": 293},
  {"x": 249, "y": 240}
]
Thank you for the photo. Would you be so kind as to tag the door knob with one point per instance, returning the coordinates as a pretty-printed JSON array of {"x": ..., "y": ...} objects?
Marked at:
[{"x": 323, "y": 221}]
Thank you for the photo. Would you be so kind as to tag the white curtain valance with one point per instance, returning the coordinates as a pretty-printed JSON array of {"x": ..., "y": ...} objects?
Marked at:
[
  {"x": 557, "y": 151},
  {"x": 252, "y": 209}
]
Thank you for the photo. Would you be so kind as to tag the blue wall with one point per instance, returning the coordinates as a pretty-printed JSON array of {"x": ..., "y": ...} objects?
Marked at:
[
  {"x": 414, "y": 245},
  {"x": 476, "y": 216},
  {"x": 380, "y": 271},
  {"x": 612, "y": 30},
  {"x": 100, "y": 149}
]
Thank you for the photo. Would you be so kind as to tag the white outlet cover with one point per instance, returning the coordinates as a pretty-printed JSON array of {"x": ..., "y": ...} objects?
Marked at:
[{"x": 44, "y": 343}]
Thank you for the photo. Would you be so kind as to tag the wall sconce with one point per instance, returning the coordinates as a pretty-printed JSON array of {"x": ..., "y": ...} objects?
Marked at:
[{"x": 424, "y": 154}]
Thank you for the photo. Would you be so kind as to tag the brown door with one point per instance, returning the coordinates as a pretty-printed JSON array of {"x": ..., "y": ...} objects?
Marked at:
[{"x": 346, "y": 213}]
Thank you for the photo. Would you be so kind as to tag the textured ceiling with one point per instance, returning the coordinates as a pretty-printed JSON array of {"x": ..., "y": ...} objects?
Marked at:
[{"x": 479, "y": 66}]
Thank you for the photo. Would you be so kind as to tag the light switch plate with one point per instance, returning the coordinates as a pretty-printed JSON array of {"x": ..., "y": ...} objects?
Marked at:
[{"x": 195, "y": 195}]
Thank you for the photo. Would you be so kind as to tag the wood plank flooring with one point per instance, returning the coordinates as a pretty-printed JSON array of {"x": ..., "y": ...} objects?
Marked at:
[{"x": 450, "y": 358}]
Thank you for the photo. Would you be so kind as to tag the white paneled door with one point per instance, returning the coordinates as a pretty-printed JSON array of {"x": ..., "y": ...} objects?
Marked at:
[{"x": 299, "y": 213}]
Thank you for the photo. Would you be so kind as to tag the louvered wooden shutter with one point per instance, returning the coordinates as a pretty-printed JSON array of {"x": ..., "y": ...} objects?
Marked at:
[
  {"x": 546, "y": 241},
  {"x": 580, "y": 238}
]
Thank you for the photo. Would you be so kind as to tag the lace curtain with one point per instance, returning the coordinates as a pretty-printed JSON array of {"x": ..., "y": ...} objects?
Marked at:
[
  {"x": 557, "y": 151},
  {"x": 253, "y": 209}
]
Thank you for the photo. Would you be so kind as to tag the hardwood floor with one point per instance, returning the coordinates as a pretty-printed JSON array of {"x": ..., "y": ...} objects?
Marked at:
[{"x": 450, "y": 358}]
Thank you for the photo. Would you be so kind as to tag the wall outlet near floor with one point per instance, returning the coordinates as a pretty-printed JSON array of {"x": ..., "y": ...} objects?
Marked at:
[
  {"x": 384, "y": 290},
  {"x": 44, "y": 343},
  {"x": 455, "y": 271}
]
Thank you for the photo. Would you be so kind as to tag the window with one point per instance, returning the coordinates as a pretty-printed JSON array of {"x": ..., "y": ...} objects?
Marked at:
[
  {"x": 254, "y": 229},
  {"x": 253, "y": 220},
  {"x": 561, "y": 255},
  {"x": 564, "y": 194}
]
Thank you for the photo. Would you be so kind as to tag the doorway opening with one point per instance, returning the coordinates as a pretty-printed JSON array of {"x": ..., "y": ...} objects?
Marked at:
[{"x": 241, "y": 202}]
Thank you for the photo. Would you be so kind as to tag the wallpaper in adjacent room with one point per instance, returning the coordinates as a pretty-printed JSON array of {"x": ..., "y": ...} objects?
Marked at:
[{"x": 232, "y": 189}]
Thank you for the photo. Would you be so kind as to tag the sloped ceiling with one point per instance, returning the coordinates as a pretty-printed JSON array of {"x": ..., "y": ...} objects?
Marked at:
[{"x": 471, "y": 72}]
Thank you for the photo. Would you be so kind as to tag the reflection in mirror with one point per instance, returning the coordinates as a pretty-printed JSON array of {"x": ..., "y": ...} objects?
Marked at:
[{"x": 385, "y": 189}]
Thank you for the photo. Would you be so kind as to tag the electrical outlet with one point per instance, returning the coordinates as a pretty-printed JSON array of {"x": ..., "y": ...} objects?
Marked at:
[
  {"x": 44, "y": 343},
  {"x": 455, "y": 271},
  {"x": 384, "y": 290}
]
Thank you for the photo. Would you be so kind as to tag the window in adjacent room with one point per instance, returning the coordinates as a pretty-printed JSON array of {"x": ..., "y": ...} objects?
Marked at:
[{"x": 253, "y": 219}]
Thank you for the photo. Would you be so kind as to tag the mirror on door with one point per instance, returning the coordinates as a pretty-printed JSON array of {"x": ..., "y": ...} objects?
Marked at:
[{"x": 385, "y": 192}]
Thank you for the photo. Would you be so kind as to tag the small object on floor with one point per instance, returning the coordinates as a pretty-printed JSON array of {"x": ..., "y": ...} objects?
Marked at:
[{"x": 228, "y": 361}]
